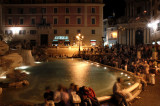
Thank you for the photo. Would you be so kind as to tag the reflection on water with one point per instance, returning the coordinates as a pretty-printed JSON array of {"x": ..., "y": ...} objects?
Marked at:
[{"x": 65, "y": 71}]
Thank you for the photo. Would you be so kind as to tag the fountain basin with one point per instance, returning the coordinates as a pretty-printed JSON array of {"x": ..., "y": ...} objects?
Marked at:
[{"x": 66, "y": 71}]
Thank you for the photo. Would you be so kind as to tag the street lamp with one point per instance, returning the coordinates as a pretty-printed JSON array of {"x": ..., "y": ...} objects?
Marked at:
[
  {"x": 154, "y": 26},
  {"x": 79, "y": 38}
]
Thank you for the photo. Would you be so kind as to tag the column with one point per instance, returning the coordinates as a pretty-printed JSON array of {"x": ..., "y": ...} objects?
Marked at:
[
  {"x": 148, "y": 36},
  {"x": 133, "y": 37},
  {"x": 131, "y": 40},
  {"x": 144, "y": 36},
  {"x": 127, "y": 36}
]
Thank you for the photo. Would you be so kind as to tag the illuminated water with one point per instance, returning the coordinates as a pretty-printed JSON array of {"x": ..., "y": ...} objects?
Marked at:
[{"x": 65, "y": 71}]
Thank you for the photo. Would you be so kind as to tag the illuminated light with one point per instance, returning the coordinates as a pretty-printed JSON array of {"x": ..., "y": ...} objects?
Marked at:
[
  {"x": 105, "y": 67},
  {"x": 125, "y": 74},
  {"x": 145, "y": 11},
  {"x": 129, "y": 83},
  {"x": 97, "y": 65},
  {"x": 122, "y": 73},
  {"x": 16, "y": 30},
  {"x": 154, "y": 25},
  {"x": 129, "y": 77},
  {"x": 114, "y": 35},
  {"x": 91, "y": 63},
  {"x": 37, "y": 62},
  {"x": 26, "y": 72},
  {"x": 61, "y": 37},
  {"x": 22, "y": 67},
  {"x": 3, "y": 77},
  {"x": 158, "y": 42},
  {"x": 153, "y": 43}
]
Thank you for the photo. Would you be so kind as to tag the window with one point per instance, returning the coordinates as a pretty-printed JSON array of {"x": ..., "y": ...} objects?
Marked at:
[
  {"x": 138, "y": 10},
  {"x": 32, "y": 32},
  {"x": 93, "y": 10},
  {"x": 55, "y": 10},
  {"x": 78, "y": 10},
  {"x": 22, "y": 32},
  {"x": 10, "y": 22},
  {"x": 55, "y": 1},
  {"x": 20, "y": 10},
  {"x": 33, "y": 21},
  {"x": 9, "y": 11},
  {"x": 78, "y": 20},
  {"x": 33, "y": 10},
  {"x": 93, "y": 31},
  {"x": 78, "y": 31},
  {"x": 55, "y": 21},
  {"x": 55, "y": 31},
  {"x": 43, "y": 10},
  {"x": 67, "y": 31},
  {"x": 67, "y": 10},
  {"x": 67, "y": 20},
  {"x": 79, "y": 1},
  {"x": 93, "y": 21},
  {"x": 159, "y": 7},
  {"x": 8, "y": 32},
  {"x": 21, "y": 22},
  {"x": 44, "y": 21}
]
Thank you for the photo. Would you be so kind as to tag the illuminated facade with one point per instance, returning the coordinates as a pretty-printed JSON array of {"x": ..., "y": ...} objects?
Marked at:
[
  {"x": 53, "y": 22},
  {"x": 133, "y": 28},
  {"x": 110, "y": 32}
]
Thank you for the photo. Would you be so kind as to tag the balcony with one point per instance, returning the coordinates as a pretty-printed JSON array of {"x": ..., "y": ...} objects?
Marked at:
[{"x": 44, "y": 25}]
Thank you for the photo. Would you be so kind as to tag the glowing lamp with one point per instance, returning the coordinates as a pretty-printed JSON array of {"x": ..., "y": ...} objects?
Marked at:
[
  {"x": 16, "y": 30},
  {"x": 114, "y": 34}
]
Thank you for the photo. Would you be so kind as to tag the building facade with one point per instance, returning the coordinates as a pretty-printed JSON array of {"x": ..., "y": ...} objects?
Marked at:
[
  {"x": 53, "y": 22},
  {"x": 110, "y": 32},
  {"x": 133, "y": 28}
]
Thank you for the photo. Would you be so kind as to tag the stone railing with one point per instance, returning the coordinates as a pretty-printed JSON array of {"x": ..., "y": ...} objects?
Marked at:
[{"x": 134, "y": 89}]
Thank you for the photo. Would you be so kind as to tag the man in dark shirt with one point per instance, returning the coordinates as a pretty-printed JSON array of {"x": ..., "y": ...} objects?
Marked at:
[{"x": 48, "y": 96}]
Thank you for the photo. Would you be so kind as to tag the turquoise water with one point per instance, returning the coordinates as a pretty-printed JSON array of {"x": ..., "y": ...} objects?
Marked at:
[{"x": 65, "y": 71}]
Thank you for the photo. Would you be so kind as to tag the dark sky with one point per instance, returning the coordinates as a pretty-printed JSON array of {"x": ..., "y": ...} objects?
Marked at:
[{"x": 118, "y": 6}]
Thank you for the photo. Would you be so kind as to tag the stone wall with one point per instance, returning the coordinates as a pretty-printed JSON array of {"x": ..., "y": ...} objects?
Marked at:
[{"x": 68, "y": 51}]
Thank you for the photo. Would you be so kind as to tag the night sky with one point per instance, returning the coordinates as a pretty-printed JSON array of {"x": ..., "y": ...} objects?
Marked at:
[{"x": 118, "y": 6}]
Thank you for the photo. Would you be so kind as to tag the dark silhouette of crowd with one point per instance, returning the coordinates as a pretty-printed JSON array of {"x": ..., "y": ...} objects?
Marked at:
[
  {"x": 140, "y": 59},
  {"x": 73, "y": 96}
]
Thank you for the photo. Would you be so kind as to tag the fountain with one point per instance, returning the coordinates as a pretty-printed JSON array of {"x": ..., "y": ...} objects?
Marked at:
[{"x": 27, "y": 57}]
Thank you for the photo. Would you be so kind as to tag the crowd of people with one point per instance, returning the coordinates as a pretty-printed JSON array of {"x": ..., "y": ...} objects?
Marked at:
[
  {"x": 73, "y": 96},
  {"x": 140, "y": 60}
]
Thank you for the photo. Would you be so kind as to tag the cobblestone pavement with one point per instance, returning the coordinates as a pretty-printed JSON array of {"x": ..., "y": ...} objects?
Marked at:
[{"x": 149, "y": 97}]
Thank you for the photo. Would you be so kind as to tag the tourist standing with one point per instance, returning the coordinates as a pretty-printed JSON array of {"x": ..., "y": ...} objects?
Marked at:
[{"x": 48, "y": 96}]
